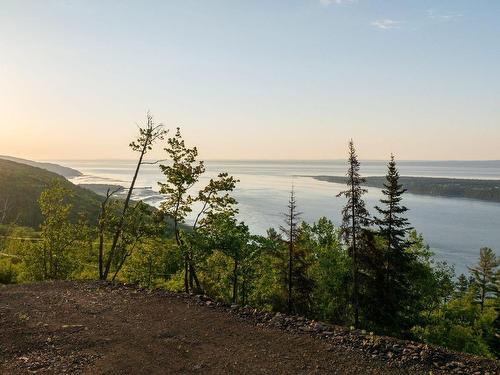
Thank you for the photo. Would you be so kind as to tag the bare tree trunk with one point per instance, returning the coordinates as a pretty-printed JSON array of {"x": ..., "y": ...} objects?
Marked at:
[
  {"x": 120, "y": 265},
  {"x": 290, "y": 260},
  {"x": 101, "y": 241},
  {"x": 191, "y": 277},
  {"x": 355, "y": 263},
  {"x": 150, "y": 270},
  {"x": 122, "y": 218},
  {"x": 290, "y": 273},
  {"x": 199, "y": 289},
  {"x": 235, "y": 281},
  {"x": 186, "y": 272}
]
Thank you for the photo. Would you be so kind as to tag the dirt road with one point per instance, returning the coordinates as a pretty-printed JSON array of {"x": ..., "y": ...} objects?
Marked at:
[{"x": 98, "y": 328}]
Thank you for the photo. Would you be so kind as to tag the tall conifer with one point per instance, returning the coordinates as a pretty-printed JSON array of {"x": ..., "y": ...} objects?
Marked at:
[
  {"x": 393, "y": 229},
  {"x": 355, "y": 218},
  {"x": 290, "y": 230}
]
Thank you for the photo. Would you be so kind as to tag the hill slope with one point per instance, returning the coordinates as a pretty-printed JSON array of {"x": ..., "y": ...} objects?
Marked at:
[
  {"x": 51, "y": 167},
  {"x": 21, "y": 186},
  {"x": 94, "y": 327}
]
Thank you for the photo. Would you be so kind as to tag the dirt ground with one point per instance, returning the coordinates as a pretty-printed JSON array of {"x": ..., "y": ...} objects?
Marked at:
[{"x": 98, "y": 328}]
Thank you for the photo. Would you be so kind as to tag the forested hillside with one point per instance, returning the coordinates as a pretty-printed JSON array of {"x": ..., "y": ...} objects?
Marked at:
[{"x": 20, "y": 189}]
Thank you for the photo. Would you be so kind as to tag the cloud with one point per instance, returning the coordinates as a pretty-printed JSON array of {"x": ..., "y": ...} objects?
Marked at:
[
  {"x": 337, "y": 2},
  {"x": 433, "y": 14},
  {"x": 386, "y": 24}
]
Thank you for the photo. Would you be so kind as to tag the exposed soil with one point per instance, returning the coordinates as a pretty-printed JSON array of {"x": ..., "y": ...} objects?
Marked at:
[{"x": 101, "y": 328}]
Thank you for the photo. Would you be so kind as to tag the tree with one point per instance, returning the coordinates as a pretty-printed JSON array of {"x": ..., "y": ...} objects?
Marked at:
[
  {"x": 233, "y": 240},
  {"x": 4, "y": 209},
  {"x": 148, "y": 135},
  {"x": 104, "y": 223},
  {"x": 52, "y": 257},
  {"x": 355, "y": 217},
  {"x": 139, "y": 226},
  {"x": 484, "y": 275},
  {"x": 290, "y": 230},
  {"x": 214, "y": 199},
  {"x": 330, "y": 271},
  {"x": 393, "y": 229}
]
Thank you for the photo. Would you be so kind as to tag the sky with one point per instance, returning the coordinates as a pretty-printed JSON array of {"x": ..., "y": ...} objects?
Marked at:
[{"x": 252, "y": 79}]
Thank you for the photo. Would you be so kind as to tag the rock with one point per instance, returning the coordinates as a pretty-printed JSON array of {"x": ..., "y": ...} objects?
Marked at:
[
  {"x": 320, "y": 327},
  {"x": 306, "y": 328}
]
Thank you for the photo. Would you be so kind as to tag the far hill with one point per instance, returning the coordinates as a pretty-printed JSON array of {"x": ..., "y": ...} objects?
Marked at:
[
  {"x": 484, "y": 190},
  {"x": 21, "y": 186},
  {"x": 55, "y": 168}
]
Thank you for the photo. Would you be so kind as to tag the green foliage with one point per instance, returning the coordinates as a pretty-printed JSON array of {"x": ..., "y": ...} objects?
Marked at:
[
  {"x": 9, "y": 270},
  {"x": 330, "y": 272},
  {"x": 147, "y": 264},
  {"x": 214, "y": 200},
  {"x": 54, "y": 255},
  {"x": 460, "y": 325},
  {"x": 216, "y": 275},
  {"x": 485, "y": 276}
]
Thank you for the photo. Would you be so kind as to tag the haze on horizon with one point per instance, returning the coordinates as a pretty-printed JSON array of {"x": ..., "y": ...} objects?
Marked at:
[{"x": 252, "y": 79}]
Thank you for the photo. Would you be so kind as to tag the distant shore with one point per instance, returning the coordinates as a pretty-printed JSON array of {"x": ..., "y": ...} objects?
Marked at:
[{"x": 483, "y": 190}]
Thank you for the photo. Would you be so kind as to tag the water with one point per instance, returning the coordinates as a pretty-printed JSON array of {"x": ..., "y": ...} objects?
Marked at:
[{"x": 454, "y": 228}]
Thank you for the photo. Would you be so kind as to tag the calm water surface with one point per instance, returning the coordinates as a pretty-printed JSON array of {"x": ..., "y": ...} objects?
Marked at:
[{"x": 454, "y": 228}]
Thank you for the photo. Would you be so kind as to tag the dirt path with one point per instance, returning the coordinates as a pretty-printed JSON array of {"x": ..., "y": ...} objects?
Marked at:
[{"x": 94, "y": 328}]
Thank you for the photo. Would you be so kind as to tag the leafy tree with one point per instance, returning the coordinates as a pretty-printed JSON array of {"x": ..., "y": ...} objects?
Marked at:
[
  {"x": 460, "y": 325},
  {"x": 232, "y": 239},
  {"x": 53, "y": 256},
  {"x": 355, "y": 217},
  {"x": 431, "y": 288},
  {"x": 214, "y": 199},
  {"x": 484, "y": 275},
  {"x": 148, "y": 263},
  {"x": 329, "y": 270},
  {"x": 140, "y": 226},
  {"x": 269, "y": 274}
]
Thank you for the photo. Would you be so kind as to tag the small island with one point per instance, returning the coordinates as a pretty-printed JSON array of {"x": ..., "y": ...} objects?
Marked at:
[{"x": 484, "y": 190}]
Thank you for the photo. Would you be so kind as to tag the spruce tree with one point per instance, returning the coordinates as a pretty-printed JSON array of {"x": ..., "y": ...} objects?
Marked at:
[
  {"x": 485, "y": 275},
  {"x": 355, "y": 218},
  {"x": 393, "y": 226},
  {"x": 393, "y": 229},
  {"x": 290, "y": 230}
]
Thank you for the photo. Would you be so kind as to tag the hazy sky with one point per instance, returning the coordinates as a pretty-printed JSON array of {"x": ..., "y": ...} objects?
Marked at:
[{"x": 256, "y": 79}]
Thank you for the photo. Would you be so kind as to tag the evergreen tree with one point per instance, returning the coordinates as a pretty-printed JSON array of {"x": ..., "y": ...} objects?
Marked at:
[
  {"x": 393, "y": 229},
  {"x": 355, "y": 218},
  {"x": 462, "y": 285},
  {"x": 290, "y": 230},
  {"x": 485, "y": 275}
]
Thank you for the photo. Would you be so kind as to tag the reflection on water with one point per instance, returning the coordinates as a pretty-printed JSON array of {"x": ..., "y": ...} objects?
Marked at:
[{"x": 454, "y": 228}]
